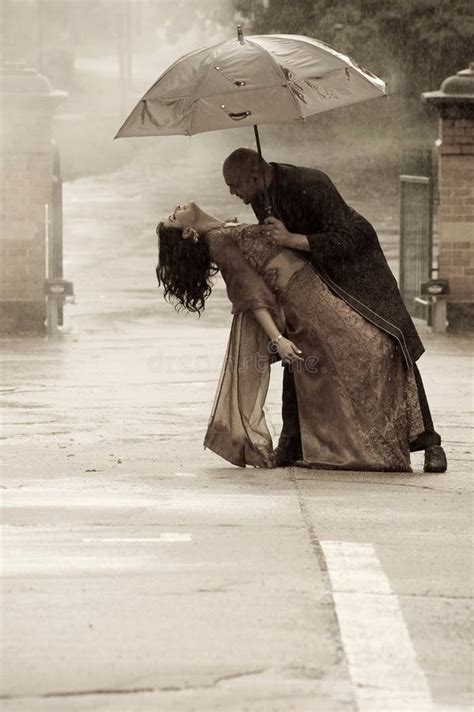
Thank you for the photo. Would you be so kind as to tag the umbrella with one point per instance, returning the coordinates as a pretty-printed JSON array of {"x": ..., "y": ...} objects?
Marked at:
[{"x": 247, "y": 81}]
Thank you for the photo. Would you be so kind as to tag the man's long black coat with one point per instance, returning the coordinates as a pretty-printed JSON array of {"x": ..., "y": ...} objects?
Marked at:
[{"x": 345, "y": 250}]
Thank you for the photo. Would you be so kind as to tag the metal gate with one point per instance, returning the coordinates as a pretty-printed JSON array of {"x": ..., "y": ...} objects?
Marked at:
[
  {"x": 416, "y": 229},
  {"x": 56, "y": 251}
]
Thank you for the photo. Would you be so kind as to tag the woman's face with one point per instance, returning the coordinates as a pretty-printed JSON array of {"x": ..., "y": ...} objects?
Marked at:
[{"x": 183, "y": 216}]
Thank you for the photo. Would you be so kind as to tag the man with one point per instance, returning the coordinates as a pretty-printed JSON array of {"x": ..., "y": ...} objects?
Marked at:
[{"x": 308, "y": 214}]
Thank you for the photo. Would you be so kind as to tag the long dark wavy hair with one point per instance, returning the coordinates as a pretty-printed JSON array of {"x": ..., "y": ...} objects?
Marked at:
[{"x": 184, "y": 269}]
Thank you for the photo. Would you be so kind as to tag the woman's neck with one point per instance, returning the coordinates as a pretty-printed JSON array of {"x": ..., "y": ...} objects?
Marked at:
[{"x": 207, "y": 223}]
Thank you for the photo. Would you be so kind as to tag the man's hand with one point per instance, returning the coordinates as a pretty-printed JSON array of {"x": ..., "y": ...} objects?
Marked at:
[{"x": 277, "y": 230}]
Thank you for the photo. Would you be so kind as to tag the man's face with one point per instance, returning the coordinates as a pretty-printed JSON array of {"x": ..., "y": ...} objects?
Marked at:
[{"x": 243, "y": 185}]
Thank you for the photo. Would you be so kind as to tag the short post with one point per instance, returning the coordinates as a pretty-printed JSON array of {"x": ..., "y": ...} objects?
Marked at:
[
  {"x": 438, "y": 314},
  {"x": 52, "y": 316},
  {"x": 56, "y": 290},
  {"x": 435, "y": 292}
]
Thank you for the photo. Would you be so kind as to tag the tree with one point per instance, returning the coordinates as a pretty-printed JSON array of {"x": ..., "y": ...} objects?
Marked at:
[{"x": 413, "y": 44}]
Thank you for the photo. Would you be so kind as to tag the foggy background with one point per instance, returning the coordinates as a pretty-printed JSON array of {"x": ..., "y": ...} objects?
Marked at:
[{"x": 106, "y": 53}]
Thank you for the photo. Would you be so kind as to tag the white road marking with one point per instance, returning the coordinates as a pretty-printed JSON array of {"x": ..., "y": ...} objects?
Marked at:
[
  {"x": 165, "y": 537},
  {"x": 184, "y": 474},
  {"x": 382, "y": 662}
]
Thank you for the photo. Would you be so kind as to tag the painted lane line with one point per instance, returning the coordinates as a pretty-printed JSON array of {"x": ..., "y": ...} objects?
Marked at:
[
  {"x": 382, "y": 662},
  {"x": 166, "y": 537},
  {"x": 184, "y": 474}
]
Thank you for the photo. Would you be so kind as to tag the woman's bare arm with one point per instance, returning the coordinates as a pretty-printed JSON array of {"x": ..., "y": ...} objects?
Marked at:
[
  {"x": 286, "y": 348},
  {"x": 265, "y": 319}
]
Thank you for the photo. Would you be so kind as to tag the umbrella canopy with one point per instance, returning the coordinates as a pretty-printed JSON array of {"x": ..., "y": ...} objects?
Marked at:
[{"x": 251, "y": 80}]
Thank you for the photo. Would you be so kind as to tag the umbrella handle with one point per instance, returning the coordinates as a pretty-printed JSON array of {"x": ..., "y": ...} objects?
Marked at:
[{"x": 267, "y": 204}]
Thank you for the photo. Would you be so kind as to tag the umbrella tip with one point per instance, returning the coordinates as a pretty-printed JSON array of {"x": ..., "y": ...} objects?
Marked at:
[{"x": 240, "y": 34}]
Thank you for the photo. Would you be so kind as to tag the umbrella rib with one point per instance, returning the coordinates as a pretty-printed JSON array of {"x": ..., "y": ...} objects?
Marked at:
[
  {"x": 178, "y": 61},
  {"x": 231, "y": 92},
  {"x": 195, "y": 99},
  {"x": 280, "y": 71},
  {"x": 194, "y": 105},
  {"x": 362, "y": 75},
  {"x": 343, "y": 58},
  {"x": 247, "y": 89}
]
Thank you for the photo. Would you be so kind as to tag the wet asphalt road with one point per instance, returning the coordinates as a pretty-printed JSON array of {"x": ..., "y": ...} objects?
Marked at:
[{"x": 141, "y": 572}]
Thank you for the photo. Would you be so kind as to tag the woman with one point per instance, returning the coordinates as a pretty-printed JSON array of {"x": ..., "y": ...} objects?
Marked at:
[{"x": 357, "y": 401}]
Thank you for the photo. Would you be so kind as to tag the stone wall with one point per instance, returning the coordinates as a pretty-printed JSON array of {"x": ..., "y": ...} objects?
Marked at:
[
  {"x": 454, "y": 101},
  {"x": 456, "y": 214},
  {"x": 26, "y": 182}
]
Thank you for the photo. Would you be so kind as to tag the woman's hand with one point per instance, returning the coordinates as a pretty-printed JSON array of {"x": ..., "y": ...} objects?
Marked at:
[
  {"x": 288, "y": 351},
  {"x": 293, "y": 240}
]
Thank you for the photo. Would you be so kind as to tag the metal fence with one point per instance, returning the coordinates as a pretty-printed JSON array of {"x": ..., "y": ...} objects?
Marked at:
[
  {"x": 416, "y": 232},
  {"x": 56, "y": 248}
]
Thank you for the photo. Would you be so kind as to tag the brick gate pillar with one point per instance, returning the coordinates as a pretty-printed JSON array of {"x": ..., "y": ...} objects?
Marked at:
[
  {"x": 455, "y": 105},
  {"x": 26, "y": 176}
]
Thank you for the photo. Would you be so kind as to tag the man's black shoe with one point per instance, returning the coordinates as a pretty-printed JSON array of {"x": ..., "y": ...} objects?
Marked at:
[
  {"x": 283, "y": 457},
  {"x": 435, "y": 459}
]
